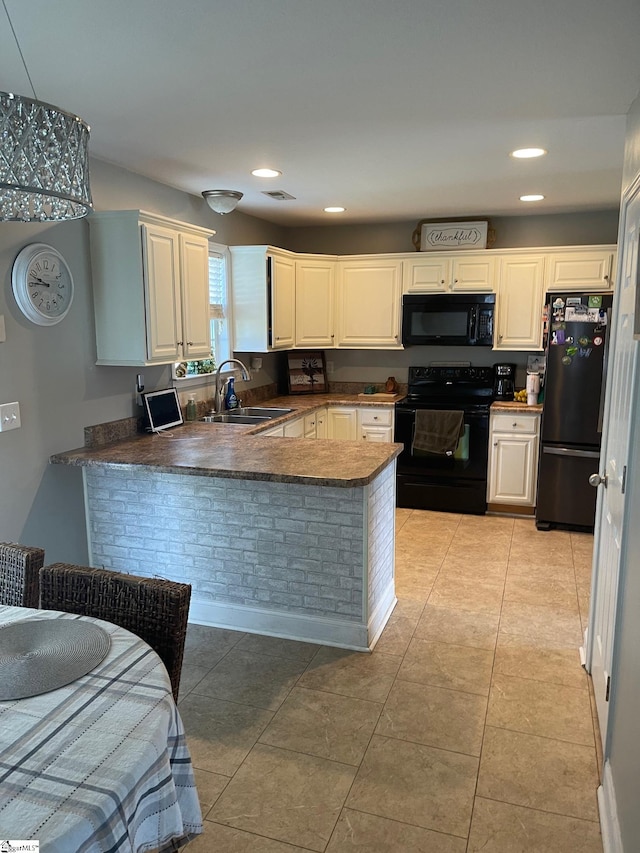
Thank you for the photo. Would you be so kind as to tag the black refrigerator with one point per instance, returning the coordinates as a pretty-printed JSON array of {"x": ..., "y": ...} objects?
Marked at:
[{"x": 576, "y": 333}]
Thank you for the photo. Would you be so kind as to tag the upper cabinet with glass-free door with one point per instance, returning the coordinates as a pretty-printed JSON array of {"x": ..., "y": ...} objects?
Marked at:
[
  {"x": 150, "y": 288},
  {"x": 368, "y": 303},
  {"x": 473, "y": 272},
  {"x": 263, "y": 298},
  {"x": 589, "y": 268},
  {"x": 315, "y": 302},
  {"x": 520, "y": 303}
]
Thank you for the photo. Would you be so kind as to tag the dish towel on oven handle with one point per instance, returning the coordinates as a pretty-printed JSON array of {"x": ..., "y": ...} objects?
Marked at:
[{"x": 437, "y": 431}]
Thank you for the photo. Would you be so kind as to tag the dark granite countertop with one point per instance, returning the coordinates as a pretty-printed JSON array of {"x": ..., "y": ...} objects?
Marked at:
[{"x": 238, "y": 451}]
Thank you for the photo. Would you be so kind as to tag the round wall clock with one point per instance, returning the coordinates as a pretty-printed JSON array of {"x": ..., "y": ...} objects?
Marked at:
[{"x": 42, "y": 284}]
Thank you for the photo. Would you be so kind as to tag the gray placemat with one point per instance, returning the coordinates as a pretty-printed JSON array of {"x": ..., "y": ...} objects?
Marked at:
[{"x": 39, "y": 655}]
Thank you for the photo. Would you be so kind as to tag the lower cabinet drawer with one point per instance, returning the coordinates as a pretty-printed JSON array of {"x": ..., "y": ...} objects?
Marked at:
[
  {"x": 515, "y": 423},
  {"x": 376, "y": 417}
]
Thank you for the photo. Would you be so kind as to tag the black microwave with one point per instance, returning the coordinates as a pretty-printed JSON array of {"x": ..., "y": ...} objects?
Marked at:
[{"x": 448, "y": 319}]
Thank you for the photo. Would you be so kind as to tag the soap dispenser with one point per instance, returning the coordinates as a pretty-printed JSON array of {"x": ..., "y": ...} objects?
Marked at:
[{"x": 192, "y": 411}]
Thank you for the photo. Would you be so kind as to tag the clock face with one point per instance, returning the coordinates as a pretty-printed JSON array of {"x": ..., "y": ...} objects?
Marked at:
[{"x": 42, "y": 284}]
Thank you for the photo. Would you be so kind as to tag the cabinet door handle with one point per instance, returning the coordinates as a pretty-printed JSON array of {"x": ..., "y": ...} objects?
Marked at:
[
  {"x": 375, "y": 417},
  {"x": 495, "y": 443},
  {"x": 499, "y": 337},
  {"x": 189, "y": 343},
  {"x": 180, "y": 343},
  {"x": 515, "y": 424},
  {"x": 441, "y": 281}
]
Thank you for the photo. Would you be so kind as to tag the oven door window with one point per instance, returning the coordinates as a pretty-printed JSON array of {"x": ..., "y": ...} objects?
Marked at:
[{"x": 469, "y": 459}]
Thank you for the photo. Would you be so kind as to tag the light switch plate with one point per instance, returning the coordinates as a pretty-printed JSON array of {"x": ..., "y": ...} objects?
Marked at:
[
  {"x": 9, "y": 416},
  {"x": 3, "y": 333}
]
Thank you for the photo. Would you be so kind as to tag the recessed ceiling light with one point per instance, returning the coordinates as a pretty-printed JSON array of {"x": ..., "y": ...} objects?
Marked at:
[
  {"x": 334, "y": 209},
  {"x": 532, "y": 197},
  {"x": 526, "y": 153},
  {"x": 266, "y": 173}
]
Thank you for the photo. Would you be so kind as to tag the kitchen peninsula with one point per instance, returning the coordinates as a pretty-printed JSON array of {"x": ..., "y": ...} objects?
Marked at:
[{"x": 280, "y": 536}]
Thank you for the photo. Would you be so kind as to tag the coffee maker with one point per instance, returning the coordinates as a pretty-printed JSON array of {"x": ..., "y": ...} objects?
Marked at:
[{"x": 505, "y": 381}]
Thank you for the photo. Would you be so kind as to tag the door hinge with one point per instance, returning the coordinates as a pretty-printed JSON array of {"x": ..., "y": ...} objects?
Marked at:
[
  {"x": 624, "y": 479},
  {"x": 608, "y": 690}
]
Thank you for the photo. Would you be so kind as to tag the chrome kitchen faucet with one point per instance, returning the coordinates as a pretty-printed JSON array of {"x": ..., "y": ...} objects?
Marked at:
[{"x": 217, "y": 396}]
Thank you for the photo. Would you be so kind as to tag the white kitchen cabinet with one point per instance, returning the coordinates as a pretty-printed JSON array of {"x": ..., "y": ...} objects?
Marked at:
[
  {"x": 321, "y": 423},
  {"x": 150, "y": 287},
  {"x": 310, "y": 430},
  {"x": 283, "y": 293},
  {"x": 263, "y": 298},
  {"x": 520, "y": 303},
  {"x": 368, "y": 303},
  {"x": 277, "y": 430},
  {"x": 342, "y": 423},
  {"x": 462, "y": 272},
  {"x": 315, "y": 302},
  {"x": 426, "y": 274},
  {"x": 375, "y": 424},
  {"x": 513, "y": 458},
  {"x": 581, "y": 269},
  {"x": 295, "y": 428}
]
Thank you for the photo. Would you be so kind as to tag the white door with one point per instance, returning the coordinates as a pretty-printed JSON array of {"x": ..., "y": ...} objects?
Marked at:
[{"x": 615, "y": 447}]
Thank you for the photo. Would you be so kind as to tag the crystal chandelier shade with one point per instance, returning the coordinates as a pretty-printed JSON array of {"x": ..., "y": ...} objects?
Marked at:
[{"x": 44, "y": 162}]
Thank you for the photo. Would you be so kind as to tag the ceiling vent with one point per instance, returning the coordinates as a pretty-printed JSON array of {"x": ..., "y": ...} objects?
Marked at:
[{"x": 279, "y": 195}]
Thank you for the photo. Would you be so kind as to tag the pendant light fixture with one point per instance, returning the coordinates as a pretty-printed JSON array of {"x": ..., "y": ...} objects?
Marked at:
[
  {"x": 222, "y": 201},
  {"x": 44, "y": 159}
]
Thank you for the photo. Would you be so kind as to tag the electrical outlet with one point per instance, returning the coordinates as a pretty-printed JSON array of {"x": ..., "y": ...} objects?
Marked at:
[
  {"x": 9, "y": 416},
  {"x": 3, "y": 333},
  {"x": 329, "y": 367}
]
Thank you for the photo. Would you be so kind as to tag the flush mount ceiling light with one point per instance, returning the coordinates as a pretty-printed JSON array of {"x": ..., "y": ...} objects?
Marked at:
[
  {"x": 527, "y": 153},
  {"x": 222, "y": 201},
  {"x": 44, "y": 159},
  {"x": 334, "y": 209},
  {"x": 266, "y": 173},
  {"x": 532, "y": 197}
]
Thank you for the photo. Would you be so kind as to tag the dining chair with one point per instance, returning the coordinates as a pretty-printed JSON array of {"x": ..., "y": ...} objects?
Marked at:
[
  {"x": 19, "y": 568},
  {"x": 153, "y": 608}
]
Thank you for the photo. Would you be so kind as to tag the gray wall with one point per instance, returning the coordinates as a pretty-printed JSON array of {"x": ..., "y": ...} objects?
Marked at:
[
  {"x": 624, "y": 721},
  {"x": 511, "y": 233},
  {"x": 52, "y": 371}
]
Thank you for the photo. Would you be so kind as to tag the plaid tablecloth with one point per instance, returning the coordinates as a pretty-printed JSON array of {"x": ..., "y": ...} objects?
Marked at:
[{"x": 101, "y": 765}]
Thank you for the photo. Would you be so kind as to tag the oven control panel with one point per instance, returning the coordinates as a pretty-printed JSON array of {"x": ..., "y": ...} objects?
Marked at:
[{"x": 479, "y": 375}]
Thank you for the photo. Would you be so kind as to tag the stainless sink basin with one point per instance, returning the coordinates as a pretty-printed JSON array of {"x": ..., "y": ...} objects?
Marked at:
[
  {"x": 261, "y": 412},
  {"x": 246, "y": 415},
  {"x": 233, "y": 418}
]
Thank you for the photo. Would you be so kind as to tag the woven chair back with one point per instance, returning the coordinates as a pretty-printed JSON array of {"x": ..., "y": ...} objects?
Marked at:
[{"x": 156, "y": 610}]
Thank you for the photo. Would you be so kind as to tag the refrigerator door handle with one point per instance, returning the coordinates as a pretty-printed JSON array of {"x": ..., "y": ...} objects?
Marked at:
[
  {"x": 570, "y": 451},
  {"x": 605, "y": 360}
]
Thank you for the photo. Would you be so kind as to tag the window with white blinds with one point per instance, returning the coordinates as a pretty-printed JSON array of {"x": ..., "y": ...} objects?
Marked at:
[
  {"x": 219, "y": 304},
  {"x": 219, "y": 317}
]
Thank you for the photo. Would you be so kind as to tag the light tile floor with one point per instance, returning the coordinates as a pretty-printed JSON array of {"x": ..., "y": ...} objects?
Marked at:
[{"x": 469, "y": 728}]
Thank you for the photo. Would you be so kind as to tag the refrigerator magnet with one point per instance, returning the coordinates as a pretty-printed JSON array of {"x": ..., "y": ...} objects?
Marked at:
[
  {"x": 597, "y": 341},
  {"x": 595, "y": 302},
  {"x": 566, "y": 360},
  {"x": 584, "y": 352}
]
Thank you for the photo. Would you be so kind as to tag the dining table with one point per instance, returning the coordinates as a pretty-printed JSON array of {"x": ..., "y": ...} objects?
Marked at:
[{"x": 99, "y": 764}]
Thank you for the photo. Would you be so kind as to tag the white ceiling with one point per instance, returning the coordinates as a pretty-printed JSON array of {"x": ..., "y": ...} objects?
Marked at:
[{"x": 395, "y": 109}]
